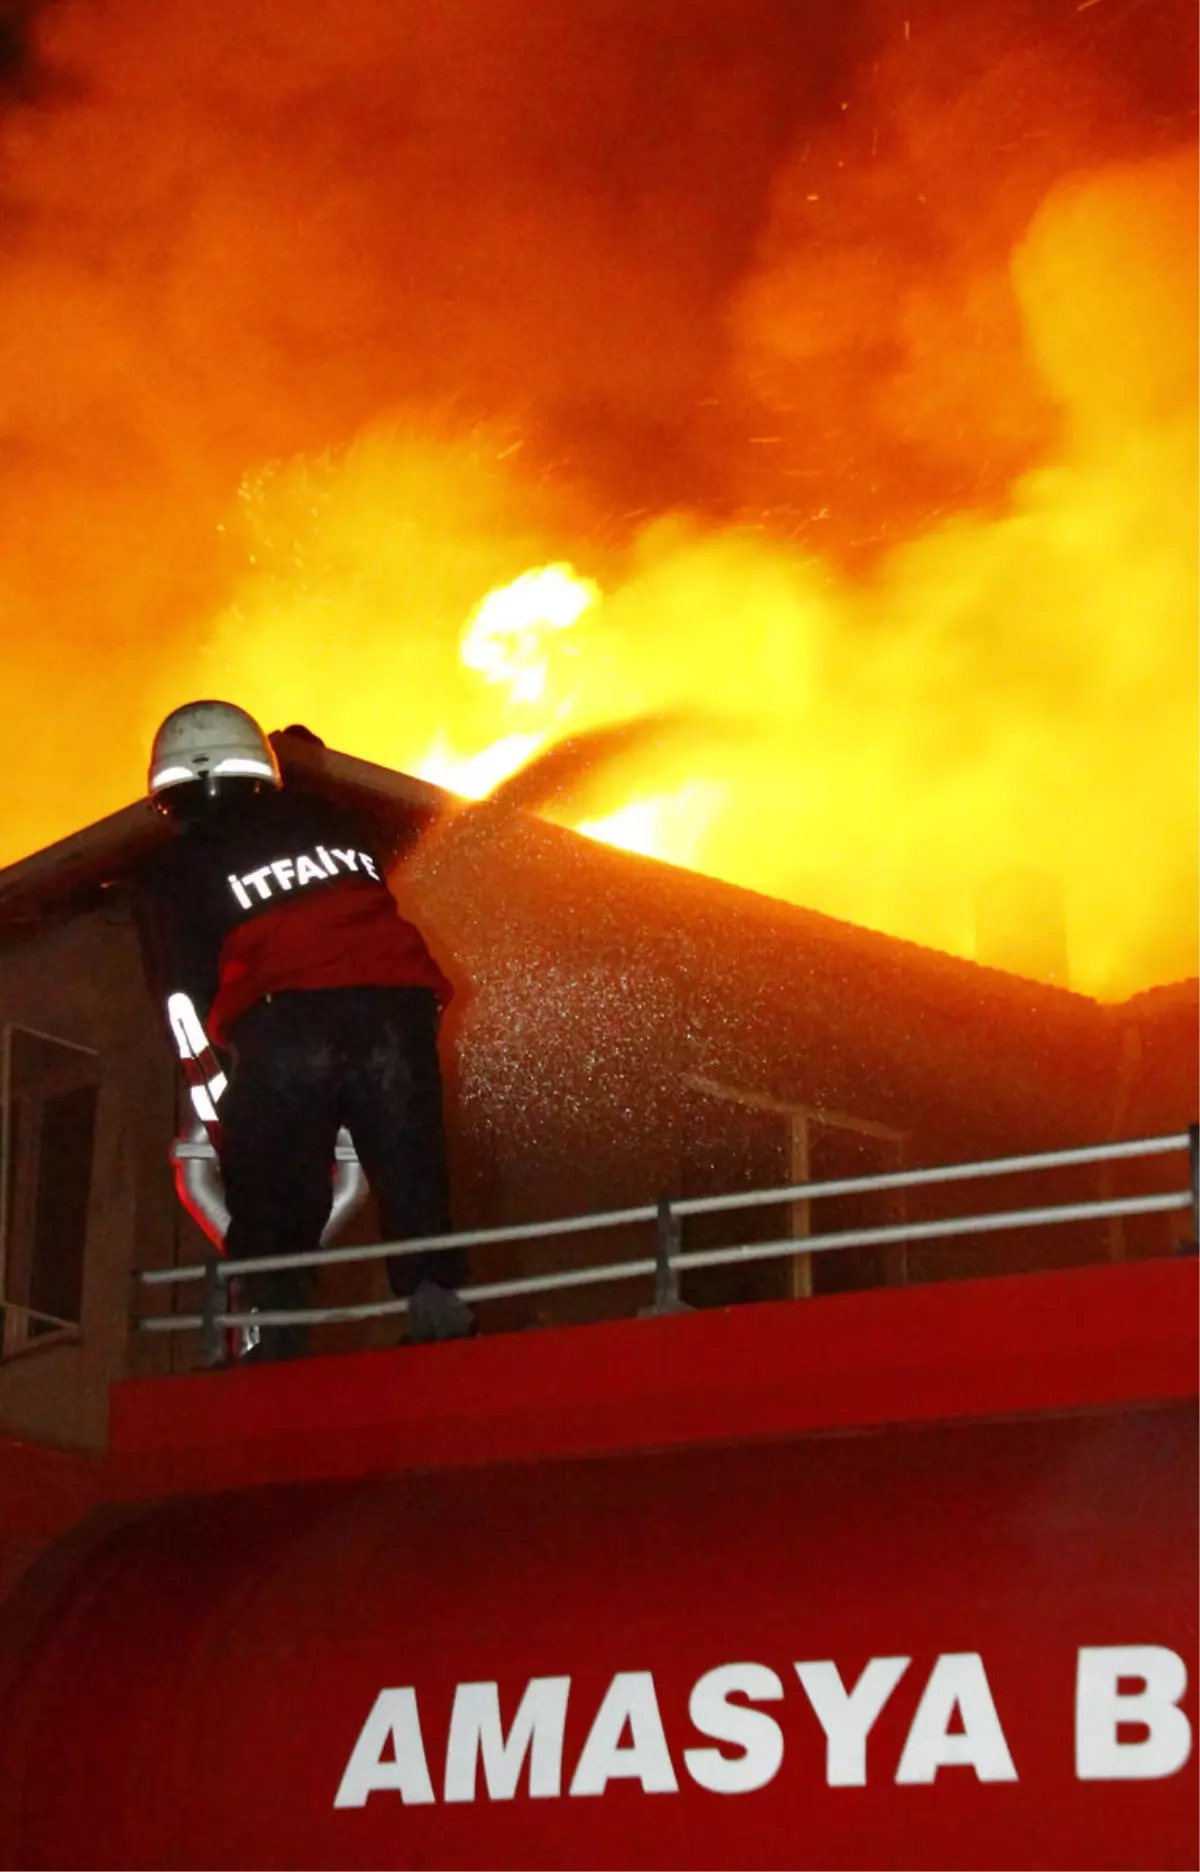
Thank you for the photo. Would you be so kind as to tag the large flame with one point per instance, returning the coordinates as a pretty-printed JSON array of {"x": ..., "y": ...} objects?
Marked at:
[
  {"x": 813, "y": 386},
  {"x": 1006, "y": 693},
  {"x": 509, "y": 639}
]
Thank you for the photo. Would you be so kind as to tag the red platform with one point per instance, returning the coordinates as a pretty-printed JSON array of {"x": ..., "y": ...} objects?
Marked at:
[
  {"x": 1087, "y": 1337},
  {"x": 982, "y": 1491}
]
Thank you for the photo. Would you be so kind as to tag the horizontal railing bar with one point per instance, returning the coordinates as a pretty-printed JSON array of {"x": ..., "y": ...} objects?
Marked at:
[
  {"x": 381, "y": 1309},
  {"x": 950, "y": 1173},
  {"x": 991, "y": 1224},
  {"x": 200, "y": 1149},
  {"x": 686, "y": 1206},
  {"x": 424, "y": 1244},
  {"x": 708, "y": 1257}
]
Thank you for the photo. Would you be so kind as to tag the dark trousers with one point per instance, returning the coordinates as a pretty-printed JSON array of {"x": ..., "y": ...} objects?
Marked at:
[{"x": 305, "y": 1063}]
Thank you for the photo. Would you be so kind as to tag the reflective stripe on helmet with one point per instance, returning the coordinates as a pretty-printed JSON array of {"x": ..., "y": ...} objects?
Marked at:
[
  {"x": 234, "y": 764},
  {"x": 170, "y": 776}
]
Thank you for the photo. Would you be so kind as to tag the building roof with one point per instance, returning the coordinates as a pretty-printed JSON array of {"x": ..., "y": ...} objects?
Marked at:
[{"x": 73, "y": 875}]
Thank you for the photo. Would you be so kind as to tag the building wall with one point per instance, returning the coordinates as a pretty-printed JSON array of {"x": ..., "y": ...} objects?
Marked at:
[{"x": 80, "y": 982}]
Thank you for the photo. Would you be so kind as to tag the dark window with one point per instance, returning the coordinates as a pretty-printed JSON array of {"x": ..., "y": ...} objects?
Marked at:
[
  {"x": 49, "y": 1141},
  {"x": 11, "y": 1132},
  {"x": 735, "y": 1140},
  {"x": 837, "y": 1152},
  {"x": 731, "y": 1146},
  {"x": 64, "y": 1182}
]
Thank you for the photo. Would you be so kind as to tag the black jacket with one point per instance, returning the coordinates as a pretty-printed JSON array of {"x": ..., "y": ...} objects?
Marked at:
[{"x": 280, "y": 889}]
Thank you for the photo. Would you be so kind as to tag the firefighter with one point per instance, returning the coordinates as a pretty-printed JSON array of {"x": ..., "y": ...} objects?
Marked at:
[{"x": 270, "y": 927}]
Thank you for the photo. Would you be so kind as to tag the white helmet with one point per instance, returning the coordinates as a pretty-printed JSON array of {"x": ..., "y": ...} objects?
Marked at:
[{"x": 209, "y": 742}]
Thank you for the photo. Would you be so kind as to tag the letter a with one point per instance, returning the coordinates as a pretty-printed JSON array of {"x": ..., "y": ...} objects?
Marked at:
[
  {"x": 1101, "y": 1705},
  {"x": 629, "y": 1700},
  {"x": 393, "y": 1717},
  {"x": 957, "y": 1681}
]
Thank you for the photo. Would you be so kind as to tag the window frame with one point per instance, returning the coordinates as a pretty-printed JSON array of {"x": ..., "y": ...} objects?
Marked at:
[
  {"x": 19, "y": 1185},
  {"x": 800, "y": 1116}
]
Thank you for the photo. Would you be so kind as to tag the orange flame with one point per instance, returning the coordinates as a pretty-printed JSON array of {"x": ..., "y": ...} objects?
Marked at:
[
  {"x": 888, "y": 509},
  {"x": 509, "y": 640},
  {"x": 1005, "y": 693}
]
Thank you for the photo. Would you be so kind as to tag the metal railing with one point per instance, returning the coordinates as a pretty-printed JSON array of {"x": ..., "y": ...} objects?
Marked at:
[{"x": 670, "y": 1260}]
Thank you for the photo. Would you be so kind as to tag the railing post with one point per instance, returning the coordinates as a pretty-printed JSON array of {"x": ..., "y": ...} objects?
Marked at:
[
  {"x": 212, "y": 1306},
  {"x": 1193, "y": 1246},
  {"x": 666, "y": 1277}
]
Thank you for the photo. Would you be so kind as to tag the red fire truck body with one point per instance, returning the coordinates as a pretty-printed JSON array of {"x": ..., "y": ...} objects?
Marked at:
[{"x": 898, "y": 1578}]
